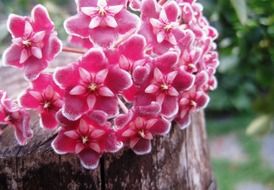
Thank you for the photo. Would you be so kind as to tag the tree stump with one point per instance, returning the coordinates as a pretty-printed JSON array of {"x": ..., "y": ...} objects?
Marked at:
[{"x": 178, "y": 161}]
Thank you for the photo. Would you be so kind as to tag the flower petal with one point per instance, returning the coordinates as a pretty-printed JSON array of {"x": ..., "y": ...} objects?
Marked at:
[
  {"x": 48, "y": 120},
  {"x": 16, "y": 25},
  {"x": 74, "y": 107},
  {"x": 33, "y": 67},
  {"x": 28, "y": 101},
  {"x": 110, "y": 21},
  {"x": 11, "y": 56},
  {"x": 143, "y": 146},
  {"x": 41, "y": 19},
  {"x": 118, "y": 80},
  {"x": 170, "y": 106},
  {"x": 105, "y": 91},
  {"x": 36, "y": 52},
  {"x": 78, "y": 25},
  {"x": 77, "y": 90},
  {"x": 63, "y": 144},
  {"x": 89, "y": 158}
]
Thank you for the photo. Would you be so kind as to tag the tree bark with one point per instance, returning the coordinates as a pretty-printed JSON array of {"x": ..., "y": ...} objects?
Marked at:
[{"x": 178, "y": 161}]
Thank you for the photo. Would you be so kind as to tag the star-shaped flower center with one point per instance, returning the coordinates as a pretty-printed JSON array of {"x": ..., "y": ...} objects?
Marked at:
[
  {"x": 85, "y": 139},
  {"x": 92, "y": 87}
]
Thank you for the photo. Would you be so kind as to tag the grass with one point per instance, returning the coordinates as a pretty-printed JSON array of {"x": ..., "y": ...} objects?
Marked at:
[{"x": 229, "y": 174}]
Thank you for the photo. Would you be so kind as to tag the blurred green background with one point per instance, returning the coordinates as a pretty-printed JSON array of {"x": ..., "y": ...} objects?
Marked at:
[{"x": 240, "y": 114}]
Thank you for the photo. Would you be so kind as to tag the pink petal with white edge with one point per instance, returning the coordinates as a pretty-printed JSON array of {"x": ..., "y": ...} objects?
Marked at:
[
  {"x": 94, "y": 60},
  {"x": 12, "y": 56},
  {"x": 33, "y": 67},
  {"x": 89, "y": 158},
  {"x": 140, "y": 74},
  {"x": 110, "y": 35},
  {"x": 22, "y": 129},
  {"x": 183, "y": 80},
  {"x": 142, "y": 147},
  {"x": 127, "y": 21},
  {"x": 184, "y": 121},
  {"x": 41, "y": 19},
  {"x": 118, "y": 80},
  {"x": 202, "y": 100},
  {"x": 166, "y": 61},
  {"x": 170, "y": 106},
  {"x": 78, "y": 25},
  {"x": 149, "y": 9},
  {"x": 16, "y": 25},
  {"x": 133, "y": 48},
  {"x": 53, "y": 48},
  {"x": 97, "y": 116},
  {"x": 48, "y": 120},
  {"x": 62, "y": 76},
  {"x": 161, "y": 127},
  {"x": 172, "y": 11},
  {"x": 123, "y": 119},
  {"x": 28, "y": 101},
  {"x": 74, "y": 107},
  {"x": 107, "y": 104},
  {"x": 63, "y": 144},
  {"x": 153, "y": 109}
]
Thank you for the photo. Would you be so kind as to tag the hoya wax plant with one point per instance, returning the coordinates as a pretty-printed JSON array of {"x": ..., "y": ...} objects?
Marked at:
[{"x": 142, "y": 66}]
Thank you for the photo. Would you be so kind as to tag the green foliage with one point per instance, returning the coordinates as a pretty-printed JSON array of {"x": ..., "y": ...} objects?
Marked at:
[{"x": 246, "y": 72}]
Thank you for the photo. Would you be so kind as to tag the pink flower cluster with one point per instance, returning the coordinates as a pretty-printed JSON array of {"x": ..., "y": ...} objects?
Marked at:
[{"x": 137, "y": 74}]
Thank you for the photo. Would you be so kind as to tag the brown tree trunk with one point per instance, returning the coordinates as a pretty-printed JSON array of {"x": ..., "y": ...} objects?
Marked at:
[{"x": 178, "y": 161}]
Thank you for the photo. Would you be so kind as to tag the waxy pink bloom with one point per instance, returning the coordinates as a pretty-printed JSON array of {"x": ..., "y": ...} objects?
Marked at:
[
  {"x": 192, "y": 100},
  {"x": 137, "y": 128},
  {"x": 97, "y": 18},
  {"x": 45, "y": 97},
  {"x": 95, "y": 85},
  {"x": 161, "y": 25},
  {"x": 89, "y": 138},
  {"x": 18, "y": 118},
  {"x": 35, "y": 42}
]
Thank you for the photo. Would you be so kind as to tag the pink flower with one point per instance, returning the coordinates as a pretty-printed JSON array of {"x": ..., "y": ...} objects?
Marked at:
[
  {"x": 163, "y": 85},
  {"x": 95, "y": 85},
  {"x": 88, "y": 138},
  {"x": 95, "y": 19},
  {"x": 161, "y": 25},
  {"x": 192, "y": 100},
  {"x": 18, "y": 118},
  {"x": 138, "y": 127},
  {"x": 45, "y": 97},
  {"x": 35, "y": 42}
]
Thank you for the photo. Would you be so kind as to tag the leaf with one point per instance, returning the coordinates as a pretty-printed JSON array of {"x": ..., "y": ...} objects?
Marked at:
[
  {"x": 260, "y": 125},
  {"x": 241, "y": 10}
]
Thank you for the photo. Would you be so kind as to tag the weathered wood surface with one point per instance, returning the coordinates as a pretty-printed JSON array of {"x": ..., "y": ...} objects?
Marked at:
[{"x": 178, "y": 161}]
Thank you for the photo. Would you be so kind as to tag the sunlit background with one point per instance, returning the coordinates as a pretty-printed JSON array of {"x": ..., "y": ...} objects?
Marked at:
[{"x": 241, "y": 112}]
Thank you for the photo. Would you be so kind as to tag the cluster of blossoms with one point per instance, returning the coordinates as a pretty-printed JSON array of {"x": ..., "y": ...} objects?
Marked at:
[{"x": 136, "y": 74}]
